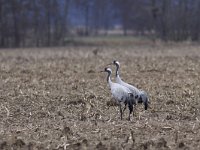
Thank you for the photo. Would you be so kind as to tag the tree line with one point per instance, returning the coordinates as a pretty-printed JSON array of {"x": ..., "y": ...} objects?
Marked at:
[{"x": 50, "y": 22}]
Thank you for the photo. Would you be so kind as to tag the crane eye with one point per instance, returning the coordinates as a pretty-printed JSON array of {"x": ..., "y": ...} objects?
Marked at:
[{"x": 136, "y": 96}]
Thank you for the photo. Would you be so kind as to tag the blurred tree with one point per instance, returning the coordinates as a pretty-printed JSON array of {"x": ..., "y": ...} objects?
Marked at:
[
  {"x": 48, "y": 7},
  {"x": 36, "y": 21},
  {"x": 165, "y": 18},
  {"x": 15, "y": 10},
  {"x": 48, "y": 22},
  {"x": 85, "y": 6},
  {"x": 102, "y": 14},
  {"x": 65, "y": 22},
  {"x": 195, "y": 21},
  {"x": 125, "y": 12},
  {"x": 2, "y": 34},
  {"x": 154, "y": 11}
]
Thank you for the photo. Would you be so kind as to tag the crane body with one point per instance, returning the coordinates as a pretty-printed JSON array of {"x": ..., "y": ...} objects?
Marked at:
[
  {"x": 140, "y": 95},
  {"x": 121, "y": 94}
]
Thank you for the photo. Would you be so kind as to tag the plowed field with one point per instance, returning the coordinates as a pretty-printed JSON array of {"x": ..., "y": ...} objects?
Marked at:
[{"x": 55, "y": 98}]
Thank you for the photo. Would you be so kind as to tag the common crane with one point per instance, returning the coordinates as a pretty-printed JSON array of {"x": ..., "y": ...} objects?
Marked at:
[
  {"x": 121, "y": 94},
  {"x": 141, "y": 96}
]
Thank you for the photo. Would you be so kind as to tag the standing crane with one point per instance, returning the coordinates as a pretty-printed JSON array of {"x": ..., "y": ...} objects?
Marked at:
[
  {"x": 121, "y": 94},
  {"x": 140, "y": 95}
]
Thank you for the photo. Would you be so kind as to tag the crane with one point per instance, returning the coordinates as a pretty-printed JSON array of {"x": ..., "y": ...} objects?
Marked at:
[
  {"x": 121, "y": 94},
  {"x": 140, "y": 95}
]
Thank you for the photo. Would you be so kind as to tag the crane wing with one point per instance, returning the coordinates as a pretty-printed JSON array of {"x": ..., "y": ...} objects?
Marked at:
[{"x": 120, "y": 93}]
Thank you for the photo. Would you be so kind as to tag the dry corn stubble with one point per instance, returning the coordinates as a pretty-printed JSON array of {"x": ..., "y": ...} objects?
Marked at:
[{"x": 57, "y": 99}]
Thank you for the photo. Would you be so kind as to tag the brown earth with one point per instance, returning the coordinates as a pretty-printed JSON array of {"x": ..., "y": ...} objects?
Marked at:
[{"x": 57, "y": 99}]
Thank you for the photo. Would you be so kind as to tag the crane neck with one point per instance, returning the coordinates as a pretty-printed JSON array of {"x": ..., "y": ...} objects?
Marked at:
[
  {"x": 117, "y": 70},
  {"x": 109, "y": 79}
]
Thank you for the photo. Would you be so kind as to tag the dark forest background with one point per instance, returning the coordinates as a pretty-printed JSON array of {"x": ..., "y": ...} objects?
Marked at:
[{"x": 51, "y": 22}]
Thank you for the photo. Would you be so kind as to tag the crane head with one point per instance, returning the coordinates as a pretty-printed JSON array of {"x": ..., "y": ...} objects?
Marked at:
[
  {"x": 115, "y": 62},
  {"x": 107, "y": 70}
]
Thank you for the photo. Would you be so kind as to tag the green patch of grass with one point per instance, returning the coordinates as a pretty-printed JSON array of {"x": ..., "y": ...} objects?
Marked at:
[{"x": 107, "y": 40}]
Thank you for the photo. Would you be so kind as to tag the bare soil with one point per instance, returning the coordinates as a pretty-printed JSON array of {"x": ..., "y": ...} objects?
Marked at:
[{"x": 55, "y": 98}]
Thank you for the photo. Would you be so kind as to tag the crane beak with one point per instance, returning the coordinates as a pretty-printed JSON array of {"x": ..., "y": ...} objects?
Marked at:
[{"x": 101, "y": 71}]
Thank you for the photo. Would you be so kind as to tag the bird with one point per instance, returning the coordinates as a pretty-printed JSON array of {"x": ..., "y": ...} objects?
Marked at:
[
  {"x": 120, "y": 93},
  {"x": 140, "y": 95}
]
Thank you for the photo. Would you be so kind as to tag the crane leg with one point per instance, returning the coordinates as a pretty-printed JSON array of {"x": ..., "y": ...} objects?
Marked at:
[
  {"x": 130, "y": 106},
  {"x": 145, "y": 105},
  {"x": 125, "y": 104},
  {"x": 120, "y": 109}
]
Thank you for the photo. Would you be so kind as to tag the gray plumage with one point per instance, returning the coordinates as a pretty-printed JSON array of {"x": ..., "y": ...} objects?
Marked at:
[
  {"x": 120, "y": 93},
  {"x": 140, "y": 95}
]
